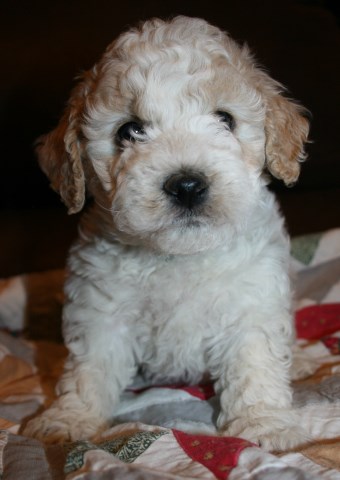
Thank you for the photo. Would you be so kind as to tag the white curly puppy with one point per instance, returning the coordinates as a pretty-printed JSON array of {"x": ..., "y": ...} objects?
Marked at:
[{"x": 181, "y": 267}]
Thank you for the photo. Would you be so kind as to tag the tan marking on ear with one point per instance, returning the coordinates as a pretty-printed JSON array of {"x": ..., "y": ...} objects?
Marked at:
[
  {"x": 287, "y": 131},
  {"x": 60, "y": 152}
]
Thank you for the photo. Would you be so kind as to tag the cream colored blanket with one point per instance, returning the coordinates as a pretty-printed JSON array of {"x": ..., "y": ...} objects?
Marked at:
[{"x": 167, "y": 432}]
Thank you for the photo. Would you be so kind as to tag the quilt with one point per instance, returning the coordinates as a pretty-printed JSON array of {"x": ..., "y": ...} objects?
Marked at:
[{"x": 168, "y": 431}]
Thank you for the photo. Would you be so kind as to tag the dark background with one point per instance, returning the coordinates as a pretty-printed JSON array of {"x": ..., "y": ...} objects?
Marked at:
[{"x": 44, "y": 45}]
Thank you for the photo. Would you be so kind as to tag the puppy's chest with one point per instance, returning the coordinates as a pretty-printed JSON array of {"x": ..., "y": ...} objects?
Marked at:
[
  {"x": 181, "y": 309},
  {"x": 179, "y": 295}
]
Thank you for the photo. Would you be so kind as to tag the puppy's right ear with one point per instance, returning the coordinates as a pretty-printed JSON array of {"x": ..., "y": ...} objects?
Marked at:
[{"x": 60, "y": 152}]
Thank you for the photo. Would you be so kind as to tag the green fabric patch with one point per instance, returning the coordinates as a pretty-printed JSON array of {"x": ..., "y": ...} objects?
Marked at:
[
  {"x": 126, "y": 448},
  {"x": 303, "y": 248}
]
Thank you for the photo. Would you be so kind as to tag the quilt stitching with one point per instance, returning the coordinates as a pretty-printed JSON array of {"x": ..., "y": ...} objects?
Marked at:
[{"x": 126, "y": 448}]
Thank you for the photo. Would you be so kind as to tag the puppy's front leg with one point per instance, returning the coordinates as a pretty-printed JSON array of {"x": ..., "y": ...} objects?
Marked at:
[
  {"x": 256, "y": 397},
  {"x": 99, "y": 367}
]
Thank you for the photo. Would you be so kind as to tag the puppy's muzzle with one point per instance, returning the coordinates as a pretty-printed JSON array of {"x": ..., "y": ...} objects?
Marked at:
[{"x": 187, "y": 190}]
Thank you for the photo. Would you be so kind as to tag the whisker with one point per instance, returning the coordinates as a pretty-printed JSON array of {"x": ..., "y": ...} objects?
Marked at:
[{"x": 102, "y": 206}]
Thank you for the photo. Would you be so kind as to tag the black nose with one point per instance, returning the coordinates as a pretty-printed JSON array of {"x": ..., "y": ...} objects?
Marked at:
[{"x": 187, "y": 190}]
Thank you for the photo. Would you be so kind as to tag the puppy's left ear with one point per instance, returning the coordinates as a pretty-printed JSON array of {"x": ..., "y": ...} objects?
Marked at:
[
  {"x": 286, "y": 133},
  {"x": 60, "y": 152}
]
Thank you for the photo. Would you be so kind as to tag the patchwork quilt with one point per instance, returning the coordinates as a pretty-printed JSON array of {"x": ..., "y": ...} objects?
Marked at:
[{"x": 168, "y": 432}]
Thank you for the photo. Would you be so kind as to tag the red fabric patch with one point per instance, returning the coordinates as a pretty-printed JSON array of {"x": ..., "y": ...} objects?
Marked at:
[
  {"x": 203, "y": 392},
  {"x": 219, "y": 454},
  {"x": 333, "y": 344},
  {"x": 317, "y": 321}
]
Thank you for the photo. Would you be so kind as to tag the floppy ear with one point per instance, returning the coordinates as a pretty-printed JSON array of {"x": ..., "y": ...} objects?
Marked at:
[
  {"x": 286, "y": 132},
  {"x": 60, "y": 152},
  {"x": 286, "y": 126}
]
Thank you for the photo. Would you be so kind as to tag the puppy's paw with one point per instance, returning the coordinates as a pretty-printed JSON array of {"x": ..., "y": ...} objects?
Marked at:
[
  {"x": 56, "y": 426},
  {"x": 278, "y": 430},
  {"x": 303, "y": 364}
]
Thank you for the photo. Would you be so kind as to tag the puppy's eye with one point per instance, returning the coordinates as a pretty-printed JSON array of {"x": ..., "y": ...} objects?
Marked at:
[
  {"x": 226, "y": 118},
  {"x": 130, "y": 132}
]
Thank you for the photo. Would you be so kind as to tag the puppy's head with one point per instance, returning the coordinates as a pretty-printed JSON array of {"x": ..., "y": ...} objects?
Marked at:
[{"x": 170, "y": 133}]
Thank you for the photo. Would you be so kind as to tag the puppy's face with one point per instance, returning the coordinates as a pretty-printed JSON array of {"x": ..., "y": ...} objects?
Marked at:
[{"x": 171, "y": 132}]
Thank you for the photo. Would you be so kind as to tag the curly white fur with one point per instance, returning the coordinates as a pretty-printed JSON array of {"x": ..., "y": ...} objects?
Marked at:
[{"x": 153, "y": 284}]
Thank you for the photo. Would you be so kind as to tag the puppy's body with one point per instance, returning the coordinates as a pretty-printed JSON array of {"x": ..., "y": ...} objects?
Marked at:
[
  {"x": 181, "y": 267},
  {"x": 180, "y": 313}
]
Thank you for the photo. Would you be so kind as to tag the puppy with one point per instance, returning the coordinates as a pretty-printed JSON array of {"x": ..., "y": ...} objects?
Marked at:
[{"x": 182, "y": 262}]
